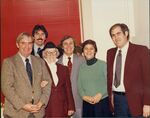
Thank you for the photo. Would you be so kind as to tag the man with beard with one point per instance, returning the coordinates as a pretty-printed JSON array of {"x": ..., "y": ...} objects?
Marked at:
[{"x": 40, "y": 35}]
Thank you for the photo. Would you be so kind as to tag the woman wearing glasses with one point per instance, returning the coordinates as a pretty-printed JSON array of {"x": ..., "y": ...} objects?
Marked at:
[{"x": 61, "y": 103}]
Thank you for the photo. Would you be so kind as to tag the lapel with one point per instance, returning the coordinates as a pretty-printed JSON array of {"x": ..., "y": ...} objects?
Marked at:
[
  {"x": 129, "y": 57},
  {"x": 74, "y": 63},
  {"x": 32, "y": 50},
  {"x": 60, "y": 60},
  {"x": 112, "y": 57},
  {"x": 34, "y": 69},
  {"x": 21, "y": 68}
]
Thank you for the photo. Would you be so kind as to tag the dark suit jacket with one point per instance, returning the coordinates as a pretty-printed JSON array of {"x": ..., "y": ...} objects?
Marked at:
[
  {"x": 32, "y": 51},
  {"x": 136, "y": 77},
  {"x": 61, "y": 98}
]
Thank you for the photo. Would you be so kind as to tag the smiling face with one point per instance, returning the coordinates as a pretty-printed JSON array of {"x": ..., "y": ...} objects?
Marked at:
[
  {"x": 25, "y": 45},
  {"x": 68, "y": 46},
  {"x": 39, "y": 37},
  {"x": 119, "y": 38},
  {"x": 89, "y": 51},
  {"x": 50, "y": 54}
]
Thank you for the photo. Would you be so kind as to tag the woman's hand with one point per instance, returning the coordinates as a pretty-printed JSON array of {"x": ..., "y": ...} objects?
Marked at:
[
  {"x": 88, "y": 99},
  {"x": 97, "y": 98},
  {"x": 70, "y": 112}
]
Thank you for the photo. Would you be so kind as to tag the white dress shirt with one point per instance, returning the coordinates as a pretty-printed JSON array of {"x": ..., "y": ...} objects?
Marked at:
[
  {"x": 23, "y": 59},
  {"x": 65, "y": 59},
  {"x": 124, "y": 50},
  {"x": 36, "y": 49},
  {"x": 53, "y": 68}
]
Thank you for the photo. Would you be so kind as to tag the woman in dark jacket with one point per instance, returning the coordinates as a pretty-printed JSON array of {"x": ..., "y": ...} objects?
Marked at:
[{"x": 61, "y": 103}]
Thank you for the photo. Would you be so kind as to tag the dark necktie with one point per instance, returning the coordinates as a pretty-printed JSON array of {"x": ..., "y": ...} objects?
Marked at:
[
  {"x": 118, "y": 69},
  {"x": 39, "y": 49},
  {"x": 69, "y": 65},
  {"x": 29, "y": 70}
]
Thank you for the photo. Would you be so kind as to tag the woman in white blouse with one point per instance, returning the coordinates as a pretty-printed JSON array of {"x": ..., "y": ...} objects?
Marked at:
[{"x": 61, "y": 103}]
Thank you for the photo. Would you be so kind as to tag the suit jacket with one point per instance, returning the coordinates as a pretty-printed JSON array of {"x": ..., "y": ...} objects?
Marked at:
[
  {"x": 33, "y": 53},
  {"x": 77, "y": 61},
  {"x": 17, "y": 89},
  {"x": 61, "y": 98},
  {"x": 136, "y": 77}
]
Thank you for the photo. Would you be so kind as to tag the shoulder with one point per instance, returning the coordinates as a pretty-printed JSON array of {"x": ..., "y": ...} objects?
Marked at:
[
  {"x": 101, "y": 62},
  {"x": 78, "y": 58},
  {"x": 37, "y": 60},
  {"x": 111, "y": 50},
  {"x": 11, "y": 59},
  {"x": 83, "y": 66},
  {"x": 138, "y": 47}
]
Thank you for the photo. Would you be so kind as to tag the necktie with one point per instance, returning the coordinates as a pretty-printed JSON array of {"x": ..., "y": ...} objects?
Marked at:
[
  {"x": 69, "y": 64},
  {"x": 118, "y": 69},
  {"x": 38, "y": 50},
  {"x": 29, "y": 70}
]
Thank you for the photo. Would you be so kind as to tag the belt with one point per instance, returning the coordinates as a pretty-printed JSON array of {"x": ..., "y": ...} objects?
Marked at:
[{"x": 119, "y": 93}]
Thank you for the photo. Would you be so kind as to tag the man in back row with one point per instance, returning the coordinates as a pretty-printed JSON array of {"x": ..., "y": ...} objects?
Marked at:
[
  {"x": 40, "y": 35},
  {"x": 73, "y": 62}
]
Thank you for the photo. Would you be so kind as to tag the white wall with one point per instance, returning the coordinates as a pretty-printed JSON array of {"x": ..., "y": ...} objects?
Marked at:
[
  {"x": 141, "y": 18},
  {"x": 99, "y": 15}
]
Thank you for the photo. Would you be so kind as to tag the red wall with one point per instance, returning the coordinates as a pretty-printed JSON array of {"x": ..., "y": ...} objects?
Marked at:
[{"x": 60, "y": 17}]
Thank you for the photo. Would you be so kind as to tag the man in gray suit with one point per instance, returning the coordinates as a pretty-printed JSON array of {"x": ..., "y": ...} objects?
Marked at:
[
  {"x": 24, "y": 97},
  {"x": 68, "y": 45}
]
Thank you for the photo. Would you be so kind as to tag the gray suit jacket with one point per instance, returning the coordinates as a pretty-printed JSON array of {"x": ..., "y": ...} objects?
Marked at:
[
  {"x": 17, "y": 89},
  {"x": 77, "y": 61}
]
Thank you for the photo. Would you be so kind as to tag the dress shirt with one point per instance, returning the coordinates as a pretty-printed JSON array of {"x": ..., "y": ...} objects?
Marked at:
[
  {"x": 36, "y": 49},
  {"x": 124, "y": 50},
  {"x": 65, "y": 59},
  {"x": 53, "y": 68},
  {"x": 23, "y": 59}
]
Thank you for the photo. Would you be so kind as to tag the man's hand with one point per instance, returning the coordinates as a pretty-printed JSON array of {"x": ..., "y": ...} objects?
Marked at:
[
  {"x": 39, "y": 105},
  {"x": 146, "y": 111},
  {"x": 31, "y": 108}
]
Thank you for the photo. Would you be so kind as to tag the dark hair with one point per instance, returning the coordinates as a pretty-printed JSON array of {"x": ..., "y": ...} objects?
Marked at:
[
  {"x": 123, "y": 27},
  {"x": 39, "y": 27},
  {"x": 65, "y": 38},
  {"x": 89, "y": 41}
]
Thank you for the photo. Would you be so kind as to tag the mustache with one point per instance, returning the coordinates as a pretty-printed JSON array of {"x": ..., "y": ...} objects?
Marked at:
[{"x": 39, "y": 39}]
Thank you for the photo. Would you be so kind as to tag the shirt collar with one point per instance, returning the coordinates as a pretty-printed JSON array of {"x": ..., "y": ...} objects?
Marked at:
[
  {"x": 24, "y": 58},
  {"x": 66, "y": 57},
  {"x": 36, "y": 47},
  {"x": 124, "y": 48}
]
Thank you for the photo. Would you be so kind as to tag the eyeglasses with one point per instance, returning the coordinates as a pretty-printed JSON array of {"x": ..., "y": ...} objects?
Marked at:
[{"x": 50, "y": 52}]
